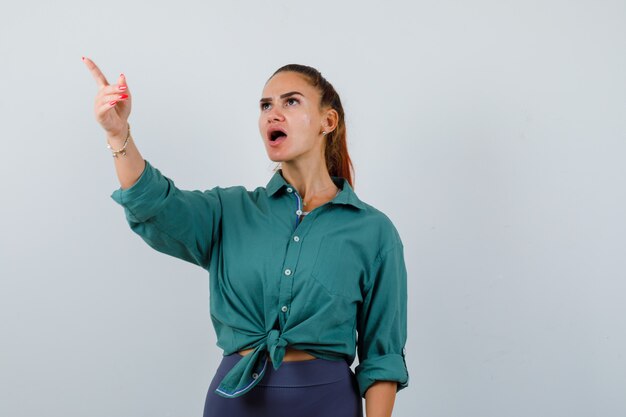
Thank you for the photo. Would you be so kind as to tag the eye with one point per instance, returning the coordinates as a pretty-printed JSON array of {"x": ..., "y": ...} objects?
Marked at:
[
  {"x": 291, "y": 101},
  {"x": 265, "y": 106}
]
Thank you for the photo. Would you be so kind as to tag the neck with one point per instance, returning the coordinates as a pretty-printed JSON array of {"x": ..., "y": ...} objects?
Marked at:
[{"x": 310, "y": 179}]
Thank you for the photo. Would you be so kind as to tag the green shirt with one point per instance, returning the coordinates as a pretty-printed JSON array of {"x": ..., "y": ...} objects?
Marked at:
[{"x": 277, "y": 279}]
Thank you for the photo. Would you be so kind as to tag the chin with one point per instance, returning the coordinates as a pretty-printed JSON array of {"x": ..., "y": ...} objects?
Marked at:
[{"x": 276, "y": 156}]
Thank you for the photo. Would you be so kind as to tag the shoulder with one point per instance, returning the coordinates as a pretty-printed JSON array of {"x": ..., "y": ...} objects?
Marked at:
[
  {"x": 234, "y": 191},
  {"x": 241, "y": 196},
  {"x": 381, "y": 226}
]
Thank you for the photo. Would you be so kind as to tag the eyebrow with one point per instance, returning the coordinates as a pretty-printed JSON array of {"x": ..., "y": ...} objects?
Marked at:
[{"x": 289, "y": 94}]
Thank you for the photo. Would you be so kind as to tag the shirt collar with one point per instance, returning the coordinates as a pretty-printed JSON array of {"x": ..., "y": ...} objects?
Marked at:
[{"x": 346, "y": 193}]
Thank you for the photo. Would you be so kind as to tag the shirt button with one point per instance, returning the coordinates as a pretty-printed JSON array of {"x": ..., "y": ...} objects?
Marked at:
[
  {"x": 255, "y": 375},
  {"x": 289, "y": 189},
  {"x": 284, "y": 309},
  {"x": 296, "y": 238},
  {"x": 298, "y": 212},
  {"x": 287, "y": 272}
]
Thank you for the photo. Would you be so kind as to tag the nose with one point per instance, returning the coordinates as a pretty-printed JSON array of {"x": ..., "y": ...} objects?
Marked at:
[{"x": 274, "y": 115}]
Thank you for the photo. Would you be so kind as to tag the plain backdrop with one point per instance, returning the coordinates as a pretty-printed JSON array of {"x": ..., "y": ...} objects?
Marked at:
[{"x": 492, "y": 133}]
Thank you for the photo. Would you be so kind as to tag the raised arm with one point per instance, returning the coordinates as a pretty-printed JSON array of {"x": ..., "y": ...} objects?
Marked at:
[
  {"x": 180, "y": 223},
  {"x": 112, "y": 108}
]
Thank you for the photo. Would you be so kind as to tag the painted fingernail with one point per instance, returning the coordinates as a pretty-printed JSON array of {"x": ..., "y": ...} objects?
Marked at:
[
  {"x": 122, "y": 87},
  {"x": 112, "y": 103},
  {"x": 123, "y": 96}
]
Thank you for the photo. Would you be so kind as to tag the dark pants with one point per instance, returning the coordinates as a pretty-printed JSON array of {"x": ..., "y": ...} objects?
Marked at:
[{"x": 309, "y": 388}]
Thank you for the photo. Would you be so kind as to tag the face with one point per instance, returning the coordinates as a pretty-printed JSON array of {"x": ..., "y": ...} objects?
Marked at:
[{"x": 290, "y": 119}]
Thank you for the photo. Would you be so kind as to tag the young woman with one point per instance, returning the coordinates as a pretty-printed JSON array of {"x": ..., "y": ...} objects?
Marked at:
[{"x": 297, "y": 269}]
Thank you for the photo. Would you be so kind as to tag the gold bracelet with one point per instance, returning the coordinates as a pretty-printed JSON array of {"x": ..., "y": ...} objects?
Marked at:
[{"x": 123, "y": 149}]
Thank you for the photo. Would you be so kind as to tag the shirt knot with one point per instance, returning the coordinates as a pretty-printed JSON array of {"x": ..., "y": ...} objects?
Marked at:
[
  {"x": 276, "y": 347},
  {"x": 249, "y": 370}
]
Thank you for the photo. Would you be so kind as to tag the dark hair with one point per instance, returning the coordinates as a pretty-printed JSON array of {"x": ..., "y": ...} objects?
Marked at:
[{"x": 338, "y": 161}]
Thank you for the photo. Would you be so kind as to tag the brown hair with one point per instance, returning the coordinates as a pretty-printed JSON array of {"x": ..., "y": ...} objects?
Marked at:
[{"x": 338, "y": 161}]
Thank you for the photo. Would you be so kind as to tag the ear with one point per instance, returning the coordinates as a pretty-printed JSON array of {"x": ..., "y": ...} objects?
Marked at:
[{"x": 330, "y": 119}]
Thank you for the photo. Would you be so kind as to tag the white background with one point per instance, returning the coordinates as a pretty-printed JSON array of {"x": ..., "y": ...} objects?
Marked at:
[{"x": 492, "y": 133}]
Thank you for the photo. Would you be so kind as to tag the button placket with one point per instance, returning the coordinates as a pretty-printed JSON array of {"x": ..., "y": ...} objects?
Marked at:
[
  {"x": 298, "y": 208},
  {"x": 290, "y": 266}
]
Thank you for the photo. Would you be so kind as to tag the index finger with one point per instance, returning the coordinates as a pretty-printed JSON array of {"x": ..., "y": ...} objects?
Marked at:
[{"x": 95, "y": 71}]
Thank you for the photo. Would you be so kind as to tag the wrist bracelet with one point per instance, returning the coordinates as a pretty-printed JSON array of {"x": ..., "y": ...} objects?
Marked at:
[{"x": 123, "y": 149}]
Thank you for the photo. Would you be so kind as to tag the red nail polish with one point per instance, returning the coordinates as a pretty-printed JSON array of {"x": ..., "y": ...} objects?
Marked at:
[
  {"x": 122, "y": 87},
  {"x": 112, "y": 103},
  {"x": 123, "y": 96}
]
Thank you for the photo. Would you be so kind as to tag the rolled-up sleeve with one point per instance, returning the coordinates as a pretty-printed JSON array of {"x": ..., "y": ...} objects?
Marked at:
[
  {"x": 382, "y": 323},
  {"x": 180, "y": 223}
]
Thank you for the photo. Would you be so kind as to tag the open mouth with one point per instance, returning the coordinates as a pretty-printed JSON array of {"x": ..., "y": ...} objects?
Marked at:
[{"x": 277, "y": 134}]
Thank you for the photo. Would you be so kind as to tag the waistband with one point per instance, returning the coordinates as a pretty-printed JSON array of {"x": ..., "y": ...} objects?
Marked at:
[{"x": 303, "y": 373}]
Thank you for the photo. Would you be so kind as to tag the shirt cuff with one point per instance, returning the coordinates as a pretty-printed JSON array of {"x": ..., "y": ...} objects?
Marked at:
[
  {"x": 391, "y": 367},
  {"x": 145, "y": 197}
]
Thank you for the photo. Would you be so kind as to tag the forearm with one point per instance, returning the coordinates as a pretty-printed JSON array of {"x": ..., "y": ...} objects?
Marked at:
[
  {"x": 379, "y": 399},
  {"x": 130, "y": 166}
]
